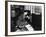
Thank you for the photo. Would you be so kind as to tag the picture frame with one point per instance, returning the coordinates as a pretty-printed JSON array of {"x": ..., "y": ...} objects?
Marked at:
[{"x": 27, "y": 6}]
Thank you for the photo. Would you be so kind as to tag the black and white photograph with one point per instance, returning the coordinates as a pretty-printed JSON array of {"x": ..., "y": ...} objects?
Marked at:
[{"x": 25, "y": 18}]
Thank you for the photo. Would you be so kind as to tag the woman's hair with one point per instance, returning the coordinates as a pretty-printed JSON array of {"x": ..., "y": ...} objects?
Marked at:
[{"x": 28, "y": 12}]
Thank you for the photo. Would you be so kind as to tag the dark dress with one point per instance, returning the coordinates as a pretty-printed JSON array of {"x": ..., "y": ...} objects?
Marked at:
[{"x": 36, "y": 21}]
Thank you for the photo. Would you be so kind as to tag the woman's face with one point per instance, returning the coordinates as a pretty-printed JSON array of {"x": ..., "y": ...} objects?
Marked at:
[{"x": 24, "y": 15}]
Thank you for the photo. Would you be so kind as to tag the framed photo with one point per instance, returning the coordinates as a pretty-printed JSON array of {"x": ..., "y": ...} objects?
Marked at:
[{"x": 24, "y": 18}]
